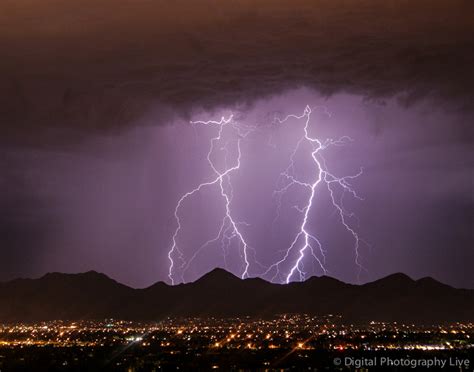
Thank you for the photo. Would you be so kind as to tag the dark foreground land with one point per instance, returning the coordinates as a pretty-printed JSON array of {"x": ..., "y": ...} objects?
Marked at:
[
  {"x": 286, "y": 342},
  {"x": 137, "y": 359}
]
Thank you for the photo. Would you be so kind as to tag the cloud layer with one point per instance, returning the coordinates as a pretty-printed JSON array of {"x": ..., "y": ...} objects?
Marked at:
[{"x": 73, "y": 69}]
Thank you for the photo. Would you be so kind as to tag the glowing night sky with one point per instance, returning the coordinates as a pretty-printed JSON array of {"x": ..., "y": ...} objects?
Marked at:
[{"x": 97, "y": 145}]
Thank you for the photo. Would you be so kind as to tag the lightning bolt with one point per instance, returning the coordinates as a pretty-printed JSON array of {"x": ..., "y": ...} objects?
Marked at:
[
  {"x": 305, "y": 243},
  {"x": 304, "y": 239},
  {"x": 229, "y": 228}
]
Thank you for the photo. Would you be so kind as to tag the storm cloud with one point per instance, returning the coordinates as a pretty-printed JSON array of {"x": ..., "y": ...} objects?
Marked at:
[{"x": 71, "y": 69}]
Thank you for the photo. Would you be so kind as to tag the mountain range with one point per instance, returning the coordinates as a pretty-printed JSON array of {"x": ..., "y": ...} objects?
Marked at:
[{"x": 92, "y": 295}]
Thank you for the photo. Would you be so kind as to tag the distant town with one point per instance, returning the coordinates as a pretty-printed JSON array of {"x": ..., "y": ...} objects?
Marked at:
[{"x": 286, "y": 341}]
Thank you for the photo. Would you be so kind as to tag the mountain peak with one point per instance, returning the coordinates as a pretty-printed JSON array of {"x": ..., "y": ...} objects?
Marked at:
[
  {"x": 325, "y": 280},
  {"x": 395, "y": 278},
  {"x": 218, "y": 274},
  {"x": 428, "y": 281},
  {"x": 91, "y": 274}
]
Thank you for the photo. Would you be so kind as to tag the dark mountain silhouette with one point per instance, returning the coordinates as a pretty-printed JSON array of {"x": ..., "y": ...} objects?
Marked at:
[{"x": 93, "y": 295}]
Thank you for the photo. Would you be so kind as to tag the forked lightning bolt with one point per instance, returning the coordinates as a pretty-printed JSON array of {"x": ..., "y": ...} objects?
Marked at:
[
  {"x": 304, "y": 242},
  {"x": 229, "y": 228}
]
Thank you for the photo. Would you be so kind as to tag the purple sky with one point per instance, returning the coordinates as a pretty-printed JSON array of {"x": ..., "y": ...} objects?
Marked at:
[{"x": 96, "y": 146}]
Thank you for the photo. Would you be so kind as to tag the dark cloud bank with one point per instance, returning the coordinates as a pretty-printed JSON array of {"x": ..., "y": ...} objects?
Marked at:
[{"x": 98, "y": 65}]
